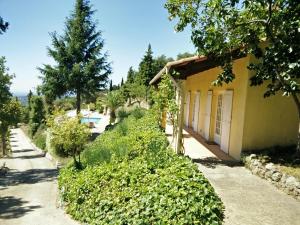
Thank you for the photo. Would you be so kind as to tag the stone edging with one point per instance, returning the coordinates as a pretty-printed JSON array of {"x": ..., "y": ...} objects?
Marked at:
[{"x": 272, "y": 173}]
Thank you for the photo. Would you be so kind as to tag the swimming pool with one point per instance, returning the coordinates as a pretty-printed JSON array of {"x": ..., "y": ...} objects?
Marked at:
[{"x": 89, "y": 119}]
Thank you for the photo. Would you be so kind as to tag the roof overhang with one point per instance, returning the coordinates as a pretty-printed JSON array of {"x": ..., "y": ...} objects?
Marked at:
[
  {"x": 192, "y": 65},
  {"x": 186, "y": 67}
]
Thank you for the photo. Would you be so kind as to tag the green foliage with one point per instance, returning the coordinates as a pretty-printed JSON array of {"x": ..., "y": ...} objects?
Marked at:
[
  {"x": 10, "y": 114},
  {"x": 114, "y": 100},
  {"x": 100, "y": 104},
  {"x": 68, "y": 136},
  {"x": 81, "y": 65},
  {"x": 67, "y": 103},
  {"x": 159, "y": 63},
  {"x": 131, "y": 178},
  {"x": 3, "y": 25},
  {"x": 10, "y": 108},
  {"x": 184, "y": 55},
  {"x": 36, "y": 114},
  {"x": 229, "y": 28},
  {"x": 5, "y": 82},
  {"x": 131, "y": 75},
  {"x": 39, "y": 139},
  {"x": 164, "y": 99},
  {"x": 122, "y": 113},
  {"x": 136, "y": 91},
  {"x": 137, "y": 112},
  {"x": 146, "y": 67}
]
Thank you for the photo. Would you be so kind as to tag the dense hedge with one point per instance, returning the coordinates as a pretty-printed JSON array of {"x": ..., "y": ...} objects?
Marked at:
[{"x": 132, "y": 178}]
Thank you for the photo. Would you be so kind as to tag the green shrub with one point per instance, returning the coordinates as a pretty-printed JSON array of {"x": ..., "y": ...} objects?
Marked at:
[
  {"x": 122, "y": 114},
  {"x": 131, "y": 177},
  {"x": 138, "y": 112},
  {"x": 39, "y": 138},
  {"x": 132, "y": 192},
  {"x": 68, "y": 136}
]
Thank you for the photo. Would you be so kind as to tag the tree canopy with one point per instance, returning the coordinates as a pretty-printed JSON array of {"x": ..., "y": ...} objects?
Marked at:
[
  {"x": 5, "y": 82},
  {"x": 146, "y": 67},
  {"x": 81, "y": 65},
  {"x": 10, "y": 108}
]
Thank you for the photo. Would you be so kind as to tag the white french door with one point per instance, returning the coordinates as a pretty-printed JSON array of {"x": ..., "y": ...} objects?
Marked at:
[
  {"x": 196, "y": 111},
  {"x": 207, "y": 115},
  {"x": 226, "y": 120},
  {"x": 218, "y": 124},
  {"x": 187, "y": 108}
]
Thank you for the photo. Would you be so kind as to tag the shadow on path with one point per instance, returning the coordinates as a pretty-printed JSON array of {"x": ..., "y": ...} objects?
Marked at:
[
  {"x": 31, "y": 176},
  {"x": 212, "y": 162},
  {"x": 29, "y": 156},
  {"x": 11, "y": 207},
  {"x": 22, "y": 150}
]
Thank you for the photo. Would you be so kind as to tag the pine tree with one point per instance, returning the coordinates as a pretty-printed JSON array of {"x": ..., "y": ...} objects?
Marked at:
[
  {"x": 146, "y": 67},
  {"x": 130, "y": 75},
  {"x": 122, "y": 82},
  {"x": 3, "y": 25},
  {"x": 82, "y": 68}
]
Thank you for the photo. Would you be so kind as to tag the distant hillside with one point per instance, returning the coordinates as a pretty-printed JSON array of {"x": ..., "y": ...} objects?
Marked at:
[{"x": 22, "y": 99}]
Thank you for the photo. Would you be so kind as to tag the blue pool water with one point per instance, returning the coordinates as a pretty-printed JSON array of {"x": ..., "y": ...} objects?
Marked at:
[{"x": 88, "y": 120}]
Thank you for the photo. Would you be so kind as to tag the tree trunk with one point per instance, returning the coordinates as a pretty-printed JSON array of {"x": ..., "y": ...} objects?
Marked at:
[
  {"x": 3, "y": 142},
  {"x": 78, "y": 101}
]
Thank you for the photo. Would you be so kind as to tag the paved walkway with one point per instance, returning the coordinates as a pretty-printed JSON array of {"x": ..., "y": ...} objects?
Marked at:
[
  {"x": 28, "y": 193},
  {"x": 248, "y": 199}
]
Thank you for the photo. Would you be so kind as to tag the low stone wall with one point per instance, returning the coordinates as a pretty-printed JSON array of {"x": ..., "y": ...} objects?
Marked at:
[{"x": 272, "y": 173}]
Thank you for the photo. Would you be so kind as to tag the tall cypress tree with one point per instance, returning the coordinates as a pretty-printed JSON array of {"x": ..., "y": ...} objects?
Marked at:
[
  {"x": 146, "y": 67},
  {"x": 110, "y": 86},
  {"x": 130, "y": 75},
  {"x": 82, "y": 67}
]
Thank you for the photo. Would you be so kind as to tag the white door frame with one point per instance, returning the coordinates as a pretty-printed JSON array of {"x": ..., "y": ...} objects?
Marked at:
[
  {"x": 218, "y": 123},
  {"x": 196, "y": 111},
  {"x": 207, "y": 115},
  {"x": 187, "y": 108},
  {"x": 226, "y": 120}
]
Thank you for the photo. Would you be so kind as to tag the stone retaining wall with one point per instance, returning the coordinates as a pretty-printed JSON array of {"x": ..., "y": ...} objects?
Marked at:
[{"x": 270, "y": 172}]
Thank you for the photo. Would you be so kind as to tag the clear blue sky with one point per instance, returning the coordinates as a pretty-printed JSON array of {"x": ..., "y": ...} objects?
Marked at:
[{"x": 128, "y": 27}]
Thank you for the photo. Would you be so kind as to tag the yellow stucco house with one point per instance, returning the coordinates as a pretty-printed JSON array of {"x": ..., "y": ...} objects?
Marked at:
[{"x": 235, "y": 116}]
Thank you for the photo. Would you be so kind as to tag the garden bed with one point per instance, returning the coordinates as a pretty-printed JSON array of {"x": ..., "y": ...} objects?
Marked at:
[{"x": 131, "y": 177}]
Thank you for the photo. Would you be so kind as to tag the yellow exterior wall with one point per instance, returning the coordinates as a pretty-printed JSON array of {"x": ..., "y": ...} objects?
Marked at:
[
  {"x": 268, "y": 121},
  {"x": 202, "y": 82}
]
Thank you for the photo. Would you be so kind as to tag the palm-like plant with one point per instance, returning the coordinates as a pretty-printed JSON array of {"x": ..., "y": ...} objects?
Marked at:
[{"x": 114, "y": 100}]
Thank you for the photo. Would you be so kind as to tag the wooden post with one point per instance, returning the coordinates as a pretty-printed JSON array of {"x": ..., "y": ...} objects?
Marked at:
[{"x": 181, "y": 94}]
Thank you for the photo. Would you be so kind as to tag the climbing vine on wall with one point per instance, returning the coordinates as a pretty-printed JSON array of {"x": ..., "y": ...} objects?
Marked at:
[{"x": 164, "y": 98}]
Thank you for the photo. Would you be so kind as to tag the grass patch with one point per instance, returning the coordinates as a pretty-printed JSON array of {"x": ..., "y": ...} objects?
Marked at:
[{"x": 131, "y": 177}]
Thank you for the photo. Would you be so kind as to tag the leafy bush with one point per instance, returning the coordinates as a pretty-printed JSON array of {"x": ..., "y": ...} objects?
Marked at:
[
  {"x": 138, "y": 112},
  {"x": 132, "y": 178},
  {"x": 68, "y": 136},
  {"x": 39, "y": 139},
  {"x": 122, "y": 113}
]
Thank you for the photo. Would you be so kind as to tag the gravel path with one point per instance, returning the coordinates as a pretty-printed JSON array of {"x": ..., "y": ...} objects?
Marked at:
[{"x": 28, "y": 192}]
